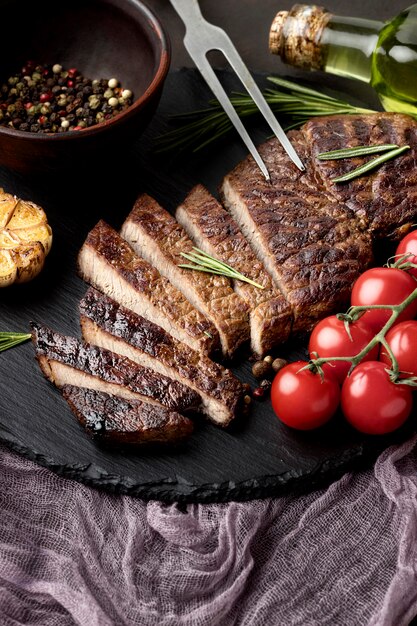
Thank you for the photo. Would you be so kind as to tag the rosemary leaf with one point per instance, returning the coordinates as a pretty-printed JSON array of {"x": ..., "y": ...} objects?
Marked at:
[
  {"x": 9, "y": 340},
  {"x": 203, "y": 262},
  {"x": 370, "y": 165},
  {"x": 346, "y": 153}
]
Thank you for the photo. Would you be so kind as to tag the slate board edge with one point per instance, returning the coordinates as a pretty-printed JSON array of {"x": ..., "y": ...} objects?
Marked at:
[{"x": 164, "y": 491}]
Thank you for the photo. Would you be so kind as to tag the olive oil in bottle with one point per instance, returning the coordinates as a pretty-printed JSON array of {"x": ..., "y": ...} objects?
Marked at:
[{"x": 381, "y": 54}]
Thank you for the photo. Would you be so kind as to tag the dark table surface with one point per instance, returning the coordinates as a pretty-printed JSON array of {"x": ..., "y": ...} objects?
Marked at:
[{"x": 248, "y": 21}]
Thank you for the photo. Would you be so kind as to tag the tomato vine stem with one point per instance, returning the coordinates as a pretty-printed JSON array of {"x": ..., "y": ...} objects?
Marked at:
[{"x": 379, "y": 338}]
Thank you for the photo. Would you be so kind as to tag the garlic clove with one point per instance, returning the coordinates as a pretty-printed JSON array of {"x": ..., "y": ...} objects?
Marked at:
[
  {"x": 8, "y": 268},
  {"x": 25, "y": 215},
  {"x": 29, "y": 260},
  {"x": 40, "y": 232}
]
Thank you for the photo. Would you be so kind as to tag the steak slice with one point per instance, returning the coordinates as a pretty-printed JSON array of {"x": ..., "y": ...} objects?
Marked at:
[
  {"x": 385, "y": 200},
  {"x": 108, "y": 262},
  {"x": 214, "y": 231},
  {"x": 158, "y": 237},
  {"x": 66, "y": 361},
  {"x": 107, "y": 324},
  {"x": 312, "y": 245},
  {"x": 111, "y": 419}
]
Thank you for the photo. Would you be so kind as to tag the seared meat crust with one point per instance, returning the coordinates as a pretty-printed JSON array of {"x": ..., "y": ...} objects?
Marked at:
[
  {"x": 384, "y": 200},
  {"x": 65, "y": 360},
  {"x": 313, "y": 246},
  {"x": 109, "y": 263},
  {"x": 214, "y": 230},
  {"x": 119, "y": 421},
  {"x": 158, "y": 237}
]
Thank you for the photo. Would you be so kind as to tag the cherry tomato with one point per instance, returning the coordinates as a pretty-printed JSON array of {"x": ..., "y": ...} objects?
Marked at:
[
  {"x": 302, "y": 399},
  {"x": 330, "y": 338},
  {"x": 373, "y": 404},
  {"x": 383, "y": 285},
  {"x": 408, "y": 245},
  {"x": 402, "y": 339}
]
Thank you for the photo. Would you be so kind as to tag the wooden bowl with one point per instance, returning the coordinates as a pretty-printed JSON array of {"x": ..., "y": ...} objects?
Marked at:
[{"x": 102, "y": 39}]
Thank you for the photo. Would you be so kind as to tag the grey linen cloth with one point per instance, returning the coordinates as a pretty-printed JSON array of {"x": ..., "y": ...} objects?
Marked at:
[{"x": 71, "y": 555}]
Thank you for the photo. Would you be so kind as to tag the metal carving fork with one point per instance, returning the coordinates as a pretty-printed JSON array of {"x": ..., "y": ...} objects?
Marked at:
[{"x": 200, "y": 38}]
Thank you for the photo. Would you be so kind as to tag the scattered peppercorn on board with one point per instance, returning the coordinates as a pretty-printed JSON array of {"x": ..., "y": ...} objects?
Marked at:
[{"x": 258, "y": 457}]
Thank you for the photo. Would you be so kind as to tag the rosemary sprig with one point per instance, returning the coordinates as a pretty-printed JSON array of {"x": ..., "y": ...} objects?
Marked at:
[
  {"x": 346, "y": 153},
  {"x": 296, "y": 102},
  {"x": 370, "y": 165},
  {"x": 10, "y": 340},
  {"x": 203, "y": 262}
]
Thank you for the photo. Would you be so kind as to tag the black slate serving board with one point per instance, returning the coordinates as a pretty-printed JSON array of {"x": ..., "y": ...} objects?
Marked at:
[{"x": 256, "y": 458}]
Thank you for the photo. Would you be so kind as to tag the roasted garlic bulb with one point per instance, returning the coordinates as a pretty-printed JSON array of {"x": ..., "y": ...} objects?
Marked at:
[{"x": 25, "y": 239}]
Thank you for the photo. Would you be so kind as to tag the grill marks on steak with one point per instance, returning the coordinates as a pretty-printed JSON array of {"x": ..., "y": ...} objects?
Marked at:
[
  {"x": 214, "y": 230},
  {"x": 66, "y": 361},
  {"x": 109, "y": 263},
  {"x": 311, "y": 244},
  {"x": 384, "y": 200},
  {"x": 107, "y": 324},
  {"x": 116, "y": 420},
  {"x": 158, "y": 237}
]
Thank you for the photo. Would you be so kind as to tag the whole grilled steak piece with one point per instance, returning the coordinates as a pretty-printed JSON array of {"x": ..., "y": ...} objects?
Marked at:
[
  {"x": 215, "y": 231},
  {"x": 67, "y": 361},
  {"x": 385, "y": 200},
  {"x": 115, "y": 420},
  {"x": 108, "y": 262},
  {"x": 158, "y": 237},
  {"x": 313, "y": 246},
  {"x": 107, "y": 324}
]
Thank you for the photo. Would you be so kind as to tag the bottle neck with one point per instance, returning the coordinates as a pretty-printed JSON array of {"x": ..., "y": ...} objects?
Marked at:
[
  {"x": 347, "y": 46},
  {"x": 309, "y": 37}
]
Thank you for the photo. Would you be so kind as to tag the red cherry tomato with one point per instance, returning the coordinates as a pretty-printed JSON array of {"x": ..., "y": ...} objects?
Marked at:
[
  {"x": 383, "y": 285},
  {"x": 330, "y": 338},
  {"x": 373, "y": 404},
  {"x": 302, "y": 399},
  {"x": 408, "y": 245},
  {"x": 402, "y": 339}
]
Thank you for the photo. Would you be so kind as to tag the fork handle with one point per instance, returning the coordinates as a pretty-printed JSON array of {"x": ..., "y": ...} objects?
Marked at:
[{"x": 188, "y": 10}]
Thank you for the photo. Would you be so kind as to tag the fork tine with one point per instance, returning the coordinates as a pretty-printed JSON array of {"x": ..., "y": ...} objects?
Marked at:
[
  {"x": 215, "y": 85},
  {"x": 252, "y": 88}
]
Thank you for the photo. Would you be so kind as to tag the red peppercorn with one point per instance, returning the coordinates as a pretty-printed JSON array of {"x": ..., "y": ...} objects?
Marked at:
[
  {"x": 28, "y": 105},
  {"x": 70, "y": 83},
  {"x": 42, "y": 119},
  {"x": 259, "y": 393},
  {"x": 46, "y": 97},
  {"x": 77, "y": 128},
  {"x": 62, "y": 112},
  {"x": 72, "y": 72},
  {"x": 45, "y": 72}
]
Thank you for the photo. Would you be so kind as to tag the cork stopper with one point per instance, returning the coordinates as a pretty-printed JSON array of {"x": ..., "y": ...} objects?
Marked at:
[{"x": 295, "y": 36}]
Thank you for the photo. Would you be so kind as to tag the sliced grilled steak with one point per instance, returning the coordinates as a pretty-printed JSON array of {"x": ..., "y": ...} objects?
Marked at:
[
  {"x": 312, "y": 245},
  {"x": 108, "y": 263},
  {"x": 115, "y": 420},
  {"x": 214, "y": 230},
  {"x": 67, "y": 361},
  {"x": 107, "y": 324},
  {"x": 158, "y": 237},
  {"x": 385, "y": 200}
]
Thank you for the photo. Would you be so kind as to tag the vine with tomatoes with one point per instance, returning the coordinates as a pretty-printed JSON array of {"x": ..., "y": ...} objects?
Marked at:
[{"x": 365, "y": 360}]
